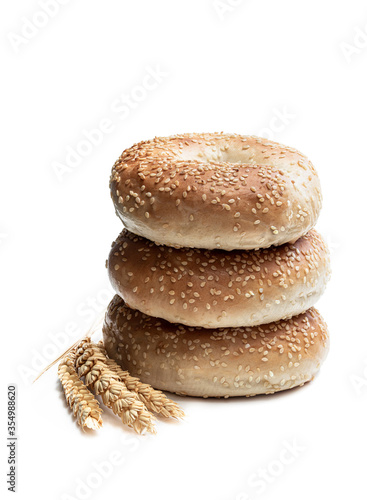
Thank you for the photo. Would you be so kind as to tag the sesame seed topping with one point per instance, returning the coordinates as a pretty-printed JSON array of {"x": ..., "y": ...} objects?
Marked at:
[{"x": 221, "y": 170}]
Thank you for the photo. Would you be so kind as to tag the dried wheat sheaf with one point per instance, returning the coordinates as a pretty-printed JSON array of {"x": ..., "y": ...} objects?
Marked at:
[
  {"x": 125, "y": 395},
  {"x": 91, "y": 363},
  {"x": 84, "y": 405}
]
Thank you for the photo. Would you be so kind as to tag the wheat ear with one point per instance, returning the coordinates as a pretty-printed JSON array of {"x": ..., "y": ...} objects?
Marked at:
[
  {"x": 85, "y": 407},
  {"x": 153, "y": 399},
  {"x": 91, "y": 363}
]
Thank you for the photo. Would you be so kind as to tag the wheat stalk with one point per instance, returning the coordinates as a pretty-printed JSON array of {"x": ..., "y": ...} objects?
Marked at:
[
  {"x": 91, "y": 363},
  {"x": 92, "y": 329},
  {"x": 153, "y": 399},
  {"x": 85, "y": 407}
]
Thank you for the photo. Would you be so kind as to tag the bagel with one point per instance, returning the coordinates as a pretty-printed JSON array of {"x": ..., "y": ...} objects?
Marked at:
[
  {"x": 215, "y": 191},
  {"x": 217, "y": 288},
  {"x": 221, "y": 362}
]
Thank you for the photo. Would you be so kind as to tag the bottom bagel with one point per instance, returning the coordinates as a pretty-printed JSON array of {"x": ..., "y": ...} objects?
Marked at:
[{"x": 222, "y": 362}]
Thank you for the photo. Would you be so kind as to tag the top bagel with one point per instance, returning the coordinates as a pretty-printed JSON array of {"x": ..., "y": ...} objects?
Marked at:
[{"x": 216, "y": 191}]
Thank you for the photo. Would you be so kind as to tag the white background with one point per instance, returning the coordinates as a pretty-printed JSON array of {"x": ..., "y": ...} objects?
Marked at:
[{"x": 228, "y": 65}]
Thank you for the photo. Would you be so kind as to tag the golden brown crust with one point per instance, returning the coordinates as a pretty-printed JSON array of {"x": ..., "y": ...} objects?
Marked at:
[
  {"x": 216, "y": 362},
  {"x": 215, "y": 191},
  {"x": 216, "y": 288}
]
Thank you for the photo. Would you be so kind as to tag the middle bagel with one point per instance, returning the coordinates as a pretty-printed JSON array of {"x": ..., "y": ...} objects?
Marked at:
[{"x": 217, "y": 288}]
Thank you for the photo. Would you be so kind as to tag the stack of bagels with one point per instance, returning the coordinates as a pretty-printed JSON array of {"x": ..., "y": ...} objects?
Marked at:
[{"x": 219, "y": 266}]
